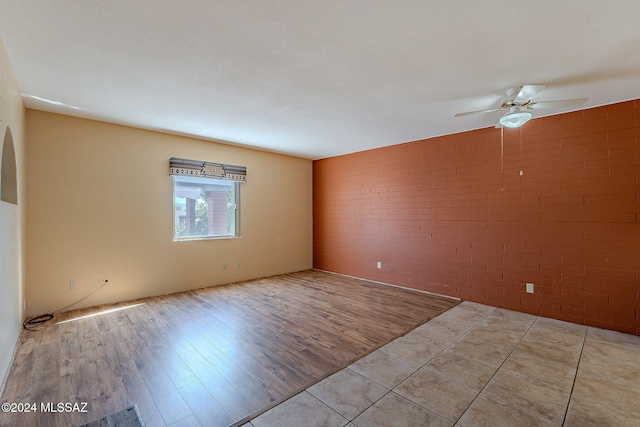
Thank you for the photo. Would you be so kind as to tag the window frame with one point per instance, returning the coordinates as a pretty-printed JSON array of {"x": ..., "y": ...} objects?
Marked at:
[{"x": 207, "y": 181}]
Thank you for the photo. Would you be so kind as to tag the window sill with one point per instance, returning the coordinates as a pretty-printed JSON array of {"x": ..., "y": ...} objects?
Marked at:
[{"x": 191, "y": 239}]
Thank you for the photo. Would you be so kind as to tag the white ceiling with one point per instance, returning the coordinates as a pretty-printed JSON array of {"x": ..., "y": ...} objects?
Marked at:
[{"x": 316, "y": 78}]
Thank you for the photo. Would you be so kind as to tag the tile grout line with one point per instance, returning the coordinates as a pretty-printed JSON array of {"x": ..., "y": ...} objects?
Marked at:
[
  {"x": 496, "y": 372},
  {"x": 456, "y": 340},
  {"x": 325, "y": 404},
  {"x": 575, "y": 377},
  {"x": 377, "y": 400},
  {"x": 439, "y": 353}
]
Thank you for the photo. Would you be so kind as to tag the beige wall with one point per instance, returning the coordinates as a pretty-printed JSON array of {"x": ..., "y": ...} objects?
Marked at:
[
  {"x": 11, "y": 218},
  {"x": 100, "y": 207}
]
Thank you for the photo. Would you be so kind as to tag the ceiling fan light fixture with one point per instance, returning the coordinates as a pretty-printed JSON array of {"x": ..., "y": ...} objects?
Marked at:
[{"x": 515, "y": 118}]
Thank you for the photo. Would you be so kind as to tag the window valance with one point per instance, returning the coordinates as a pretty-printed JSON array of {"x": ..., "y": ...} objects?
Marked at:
[{"x": 207, "y": 170}]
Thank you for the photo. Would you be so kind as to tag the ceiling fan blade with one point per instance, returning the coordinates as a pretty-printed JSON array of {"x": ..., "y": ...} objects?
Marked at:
[
  {"x": 477, "y": 112},
  {"x": 564, "y": 103},
  {"x": 527, "y": 92}
]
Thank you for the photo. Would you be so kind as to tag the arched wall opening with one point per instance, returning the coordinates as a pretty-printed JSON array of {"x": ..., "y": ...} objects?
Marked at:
[{"x": 8, "y": 173}]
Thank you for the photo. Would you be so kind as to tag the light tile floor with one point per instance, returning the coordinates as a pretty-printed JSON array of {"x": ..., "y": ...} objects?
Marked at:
[{"x": 477, "y": 366}]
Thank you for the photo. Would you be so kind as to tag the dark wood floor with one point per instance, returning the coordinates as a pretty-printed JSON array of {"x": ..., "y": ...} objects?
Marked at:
[{"x": 215, "y": 356}]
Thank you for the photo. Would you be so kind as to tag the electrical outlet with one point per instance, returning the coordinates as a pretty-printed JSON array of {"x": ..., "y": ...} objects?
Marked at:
[
  {"x": 529, "y": 288},
  {"x": 379, "y": 264},
  {"x": 238, "y": 264},
  {"x": 73, "y": 285},
  {"x": 224, "y": 266}
]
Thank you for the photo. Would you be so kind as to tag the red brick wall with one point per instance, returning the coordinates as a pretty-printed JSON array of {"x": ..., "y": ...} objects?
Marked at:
[
  {"x": 218, "y": 212},
  {"x": 441, "y": 217}
]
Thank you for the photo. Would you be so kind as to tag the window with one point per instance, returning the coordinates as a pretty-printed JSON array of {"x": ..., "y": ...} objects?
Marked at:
[{"x": 205, "y": 208}]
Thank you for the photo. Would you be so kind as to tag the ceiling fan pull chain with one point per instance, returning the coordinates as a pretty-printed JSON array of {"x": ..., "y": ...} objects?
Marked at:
[
  {"x": 502, "y": 159},
  {"x": 521, "y": 171}
]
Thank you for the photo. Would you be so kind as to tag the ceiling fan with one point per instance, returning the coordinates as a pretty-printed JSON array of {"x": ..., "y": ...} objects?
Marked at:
[{"x": 518, "y": 102}]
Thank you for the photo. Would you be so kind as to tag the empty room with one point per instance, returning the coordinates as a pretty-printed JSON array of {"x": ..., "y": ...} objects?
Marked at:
[{"x": 296, "y": 213}]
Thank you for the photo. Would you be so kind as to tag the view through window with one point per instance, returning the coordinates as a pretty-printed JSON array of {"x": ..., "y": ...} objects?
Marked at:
[{"x": 205, "y": 208}]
